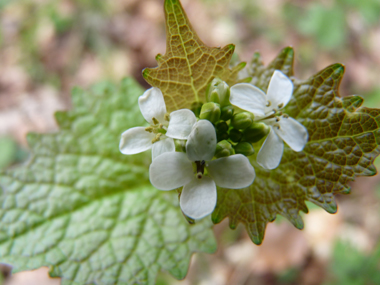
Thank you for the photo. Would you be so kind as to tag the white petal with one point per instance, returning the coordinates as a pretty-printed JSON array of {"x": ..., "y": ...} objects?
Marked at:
[
  {"x": 249, "y": 98},
  {"x": 270, "y": 154},
  {"x": 170, "y": 170},
  {"x": 280, "y": 90},
  {"x": 180, "y": 124},
  {"x": 163, "y": 145},
  {"x": 198, "y": 198},
  {"x": 152, "y": 104},
  {"x": 201, "y": 143},
  {"x": 135, "y": 140},
  {"x": 233, "y": 172},
  {"x": 293, "y": 133}
]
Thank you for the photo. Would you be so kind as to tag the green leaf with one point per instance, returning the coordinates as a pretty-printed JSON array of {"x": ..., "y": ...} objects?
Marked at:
[
  {"x": 188, "y": 65},
  {"x": 349, "y": 266},
  {"x": 89, "y": 212},
  {"x": 343, "y": 143},
  {"x": 326, "y": 24}
]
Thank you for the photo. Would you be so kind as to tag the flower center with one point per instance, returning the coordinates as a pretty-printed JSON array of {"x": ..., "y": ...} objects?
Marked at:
[
  {"x": 158, "y": 128},
  {"x": 200, "y": 168}
]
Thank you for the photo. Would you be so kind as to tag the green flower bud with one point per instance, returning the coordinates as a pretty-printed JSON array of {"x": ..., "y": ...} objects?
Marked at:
[
  {"x": 180, "y": 145},
  {"x": 210, "y": 111},
  {"x": 256, "y": 132},
  {"x": 196, "y": 108},
  {"x": 221, "y": 127},
  {"x": 223, "y": 149},
  {"x": 227, "y": 113},
  {"x": 244, "y": 148},
  {"x": 242, "y": 120},
  {"x": 235, "y": 135},
  {"x": 218, "y": 92},
  {"x": 222, "y": 136}
]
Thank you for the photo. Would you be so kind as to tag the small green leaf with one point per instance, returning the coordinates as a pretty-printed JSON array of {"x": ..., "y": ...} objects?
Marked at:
[
  {"x": 343, "y": 142},
  {"x": 89, "y": 212},
  {"x": 188, "y": 65}
]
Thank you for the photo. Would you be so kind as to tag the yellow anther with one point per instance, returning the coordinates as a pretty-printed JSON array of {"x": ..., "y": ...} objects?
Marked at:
[
  {"x": 155, "y": 121},
  {"x": 167, "y": 117},
  {"x": 161, "y": 126},
  {"x": 285, "y": 116},
  {"x": 277, "y": 119},
  {"x": 280, "y": 105},
  {"x": 149, "y": 129},
  {"x": 269, "y": 103},
  {"x": 157, "y": 138}
]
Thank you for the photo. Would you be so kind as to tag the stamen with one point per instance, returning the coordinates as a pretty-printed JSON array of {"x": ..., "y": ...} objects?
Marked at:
[
  {"x": 157, "y": 138},
  {"x": 155, "y": 121},
  {"x": 280, "y": 105},
  {"x": 276, "y": 126},
  {"x": 149, "y": 129},
  {"x": 277, "y": 119},
  {"x": 167, "y": 117},
  {"x": 200, "y": 168},
  {"x": 161, "y": 126},
  {"x": 269, "y": 103},
  {"x": 285, "y": 116}
]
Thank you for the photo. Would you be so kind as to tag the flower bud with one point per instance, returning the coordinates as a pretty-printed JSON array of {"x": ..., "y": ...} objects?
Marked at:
[
  {"x": 218, "y": 92},
  {"x": 242, "y": 120},
  {"x": 221, "y": 127},
  {"x": 235, "y": 135},
  {"x": 244, "y": 148},
  {"x": 180, "y": 145},
  {"x": 210, "y": 111},
  {"x": 256, "y": 132},
  {"x": 227, "y": 112},
  {"x": 196, "y": 108},
  {"x": 222, "y": 136},
  {"x": 223, "y": 149}
]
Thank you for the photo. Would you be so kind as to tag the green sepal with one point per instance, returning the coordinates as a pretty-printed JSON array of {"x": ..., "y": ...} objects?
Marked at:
[
  {"x": 210, "y": 111},
  {"x": 242, "y": 120},
  {"x": 223, "y": 149}
]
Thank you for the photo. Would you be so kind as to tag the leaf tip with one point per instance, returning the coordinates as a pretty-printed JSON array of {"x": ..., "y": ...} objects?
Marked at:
[
  {"x": 288, "y": 50},
  {"x": 216, "y": 219},
  {"x": 371, "y": 170},
  {"x": 297, "y": 222},
  {"x": 257, "y": 240},
  {"x": 331, "y": 207},
  {"x": 145, "y": 73},
  {"x": 158, "y": 57},
  {"x": 231, "y": 47},
  {"x": 352, "y": 103},
  {"x": 339, "y": 69},
  {"x": 346, "y": 191}
]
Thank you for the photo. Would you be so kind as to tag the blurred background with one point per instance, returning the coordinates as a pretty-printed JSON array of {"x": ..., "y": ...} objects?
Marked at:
[{"x": 48, "y": 46}]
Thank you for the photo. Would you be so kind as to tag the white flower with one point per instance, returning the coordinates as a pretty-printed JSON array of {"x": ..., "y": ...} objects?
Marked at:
[
  {"x": 159, "y": 136},
  {"x": 198, "y": 173},
  {"x": 266, "y": 108}
]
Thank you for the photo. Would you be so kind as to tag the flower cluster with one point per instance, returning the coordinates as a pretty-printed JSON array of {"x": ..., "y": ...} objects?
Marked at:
[{"x": 196, "y": 150}]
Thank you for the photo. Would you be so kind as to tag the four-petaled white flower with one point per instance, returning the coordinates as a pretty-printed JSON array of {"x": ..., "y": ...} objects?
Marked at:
[
  {"x": 159, "y": 136},
  {"x": 198, "y": 173},
  {"x": 266, "y": 108}
]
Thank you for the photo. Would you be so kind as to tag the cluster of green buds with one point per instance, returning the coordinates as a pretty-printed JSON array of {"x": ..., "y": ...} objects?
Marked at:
[{"x": 236, "y": 130}]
